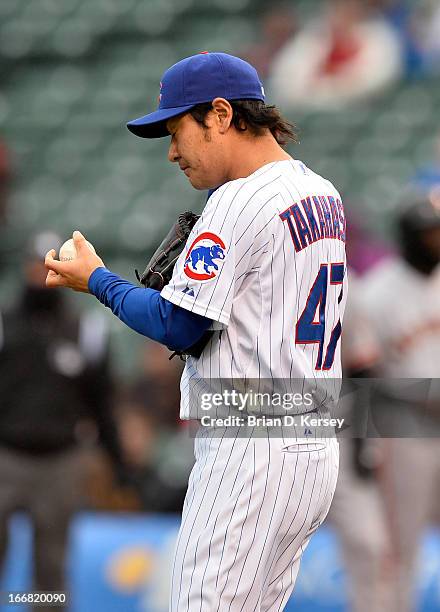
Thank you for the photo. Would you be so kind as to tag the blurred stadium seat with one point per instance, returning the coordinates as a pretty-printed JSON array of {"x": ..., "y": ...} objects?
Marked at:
[{"x": 78, "y": 71}]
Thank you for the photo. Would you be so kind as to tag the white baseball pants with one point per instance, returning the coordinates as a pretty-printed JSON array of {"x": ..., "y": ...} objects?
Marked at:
[{"x": 250, "y": 510}]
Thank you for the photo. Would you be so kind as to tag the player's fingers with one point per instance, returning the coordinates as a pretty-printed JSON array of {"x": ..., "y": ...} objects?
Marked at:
[
  {"x": 51, "y": 254},
  {"x": 51, "y": 263},
  {"x": 51, "y": 279},
  {"x": 55, "y": 280},
  {"x": 79, "y": 241}
]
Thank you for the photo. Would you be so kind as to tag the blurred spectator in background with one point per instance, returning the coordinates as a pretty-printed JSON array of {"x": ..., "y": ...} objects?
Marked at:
[
  {"x": 55, "y": 384},
  {"x": 403, "y": 15},
  {"x": 357, "y": 501},
  {"x": 276, "y": 27},
  {"x": 345, "y": 55},
  {"x": 158, "y": 383},
  {"x": 418, "y": 26},
  {"x": 156, "y": 450},
  {"x": 156, "y": 445},
  {"x": 401, "y": 298},
  {"x": 159, "y": 453}
]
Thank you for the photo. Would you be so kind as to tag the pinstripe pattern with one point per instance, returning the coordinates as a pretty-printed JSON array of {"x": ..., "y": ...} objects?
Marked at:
[
  {"x": 253, "y": 503},
  {"x": 240, "y": 547},
  {"x": 260, "y": 271}
]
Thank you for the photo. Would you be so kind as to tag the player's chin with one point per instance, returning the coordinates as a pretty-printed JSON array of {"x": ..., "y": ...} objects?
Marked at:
[{"x": 199, "y": 182}]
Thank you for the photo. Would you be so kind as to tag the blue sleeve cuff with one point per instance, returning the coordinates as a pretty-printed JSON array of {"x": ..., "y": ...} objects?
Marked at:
[
  {"x": 147, "y": 312},
  {"x": 95, "y": 277}
]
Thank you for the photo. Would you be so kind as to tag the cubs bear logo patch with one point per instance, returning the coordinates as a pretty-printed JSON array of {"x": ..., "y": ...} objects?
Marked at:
[{"x": 204, "y": 257}]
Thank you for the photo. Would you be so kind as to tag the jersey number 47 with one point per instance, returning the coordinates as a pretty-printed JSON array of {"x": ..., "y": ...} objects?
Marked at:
[{"x": 310, "y": 329}]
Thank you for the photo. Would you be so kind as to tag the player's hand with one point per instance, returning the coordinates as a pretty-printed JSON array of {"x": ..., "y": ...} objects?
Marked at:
[{"x": 74, "y": 273}]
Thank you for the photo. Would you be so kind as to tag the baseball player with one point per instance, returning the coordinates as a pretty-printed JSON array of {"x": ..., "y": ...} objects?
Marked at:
[
  {"x": 263, "y": 271},
  {"x": 402, "y": 301},
  {"x": 357, "y": 499}
]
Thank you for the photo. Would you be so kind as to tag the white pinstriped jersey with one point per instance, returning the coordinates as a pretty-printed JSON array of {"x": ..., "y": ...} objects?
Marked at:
[{"x": 266, "y": 262}]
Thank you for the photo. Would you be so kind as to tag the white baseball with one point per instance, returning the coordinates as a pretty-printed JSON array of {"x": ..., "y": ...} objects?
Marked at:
[{"x": 68, "y": 250}]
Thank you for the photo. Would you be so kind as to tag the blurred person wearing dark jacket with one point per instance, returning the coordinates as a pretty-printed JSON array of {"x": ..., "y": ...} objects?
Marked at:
[
  {"x": 54, "y": 376},
  {"x": 160, "y": 454},
  {"x": 158, "y": 384}
]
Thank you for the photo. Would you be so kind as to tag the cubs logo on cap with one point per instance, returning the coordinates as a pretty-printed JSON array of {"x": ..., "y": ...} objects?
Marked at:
[{"x": 205, "y": 257}]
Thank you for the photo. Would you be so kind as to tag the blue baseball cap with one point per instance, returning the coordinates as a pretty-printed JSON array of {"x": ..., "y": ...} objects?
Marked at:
[{"x": 194, "y": 80}]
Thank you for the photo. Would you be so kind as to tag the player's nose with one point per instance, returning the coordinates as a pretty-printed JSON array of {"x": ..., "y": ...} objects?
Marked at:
[{"x": 173, "y": 155}]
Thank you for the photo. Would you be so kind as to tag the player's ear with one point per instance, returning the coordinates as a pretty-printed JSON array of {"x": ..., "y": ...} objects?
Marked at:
[{"x": 223, "y": 113}]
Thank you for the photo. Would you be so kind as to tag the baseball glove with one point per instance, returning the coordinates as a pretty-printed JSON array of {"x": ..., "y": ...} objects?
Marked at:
[{"x": 159, "y": 269}]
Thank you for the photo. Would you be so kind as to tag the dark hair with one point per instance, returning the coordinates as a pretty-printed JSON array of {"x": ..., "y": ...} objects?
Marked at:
[{"x": 252, "y": 115}]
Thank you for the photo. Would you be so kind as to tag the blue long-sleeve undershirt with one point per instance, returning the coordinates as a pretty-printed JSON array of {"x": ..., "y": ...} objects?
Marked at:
[{"x": 147, "y": 312}]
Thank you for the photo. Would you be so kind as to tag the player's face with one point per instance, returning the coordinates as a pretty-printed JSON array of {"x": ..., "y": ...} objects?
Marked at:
[{"x": 198, "y": 151}]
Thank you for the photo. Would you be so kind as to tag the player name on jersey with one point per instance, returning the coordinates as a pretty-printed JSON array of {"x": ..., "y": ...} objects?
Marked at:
[{"x": 316, "y": 218}]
